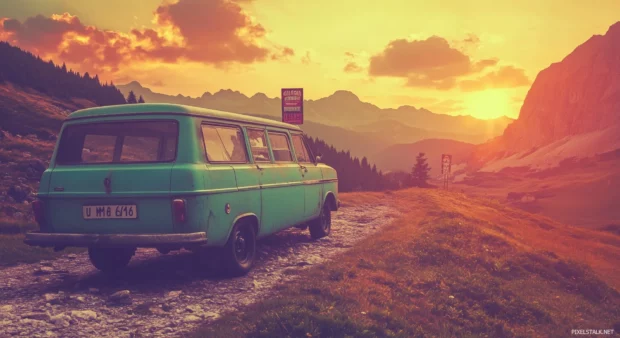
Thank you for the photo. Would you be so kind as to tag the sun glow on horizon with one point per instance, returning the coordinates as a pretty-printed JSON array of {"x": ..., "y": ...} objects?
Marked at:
[{"x": 490, "y": 104}]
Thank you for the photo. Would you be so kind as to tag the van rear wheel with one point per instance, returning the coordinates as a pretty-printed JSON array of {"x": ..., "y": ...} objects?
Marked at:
[
  {"x": 240, "y": 251},
  {"x": 110, "y": 260},
  {"x": 321, "y": 226}
]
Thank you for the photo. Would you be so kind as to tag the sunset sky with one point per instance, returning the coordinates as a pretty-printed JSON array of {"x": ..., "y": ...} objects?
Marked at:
[{"x": 473, "y": 57}]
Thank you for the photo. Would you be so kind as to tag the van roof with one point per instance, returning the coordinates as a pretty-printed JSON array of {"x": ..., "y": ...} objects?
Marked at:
[{"x": 163, "y": 108}]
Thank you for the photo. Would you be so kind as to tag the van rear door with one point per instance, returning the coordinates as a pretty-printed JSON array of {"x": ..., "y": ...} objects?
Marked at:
[{"x": 113, "y": 177}]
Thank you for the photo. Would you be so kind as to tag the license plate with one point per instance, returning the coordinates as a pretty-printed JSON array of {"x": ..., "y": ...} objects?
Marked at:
[{"x": 109, "y": 211}]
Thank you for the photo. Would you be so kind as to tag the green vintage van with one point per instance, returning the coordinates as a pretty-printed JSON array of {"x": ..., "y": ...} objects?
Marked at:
[{"x": 170, "y": 176}]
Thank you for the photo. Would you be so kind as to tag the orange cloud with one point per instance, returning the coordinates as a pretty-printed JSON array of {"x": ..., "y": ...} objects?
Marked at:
[
  {"x": 284, "y": 54},
  {"x": 352, "y": 67},
  {"x": 431, "y": 63},
  {"x": 211, "y": 32},
  {"x": 505, "y": 77}
]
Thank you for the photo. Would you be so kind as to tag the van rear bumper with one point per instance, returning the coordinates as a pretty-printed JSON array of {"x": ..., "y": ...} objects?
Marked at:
[{"x": 115, "y": 240}]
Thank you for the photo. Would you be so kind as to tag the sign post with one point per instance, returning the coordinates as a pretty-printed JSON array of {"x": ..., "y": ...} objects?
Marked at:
[
  {"x": 446, "y": 168},
  {"x": 293, "y": 105}
]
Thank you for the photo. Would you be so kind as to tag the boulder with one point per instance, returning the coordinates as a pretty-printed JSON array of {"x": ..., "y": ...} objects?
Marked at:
[
  {"x": 19, "y": 193},
  {"x": 33, "y": 168}
]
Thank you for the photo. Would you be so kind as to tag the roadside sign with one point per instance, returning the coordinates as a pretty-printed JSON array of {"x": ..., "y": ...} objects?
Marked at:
[
  {"x": 293, "y": 105},
  {"x": 446, "y": 164}
]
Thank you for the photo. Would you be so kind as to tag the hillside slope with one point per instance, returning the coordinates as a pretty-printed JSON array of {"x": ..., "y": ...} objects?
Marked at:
[
  {"x": 402, "y": 156},
  {"x": 449, "y": 266},
  {"x": 579, "y": 192}
]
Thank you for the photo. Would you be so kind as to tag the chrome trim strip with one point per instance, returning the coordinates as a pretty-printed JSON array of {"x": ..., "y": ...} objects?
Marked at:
[
  {"x": 114, "y": 240},
  {"x": 154, "y": 194}
]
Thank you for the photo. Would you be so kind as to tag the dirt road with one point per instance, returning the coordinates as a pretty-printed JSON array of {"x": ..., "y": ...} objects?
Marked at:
[{"x": 162, "y": 295}]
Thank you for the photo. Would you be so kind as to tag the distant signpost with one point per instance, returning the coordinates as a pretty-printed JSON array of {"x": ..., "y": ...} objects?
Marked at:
[
  {"x": 446, "y": 168},
  {"x": 293, "y": 105}
]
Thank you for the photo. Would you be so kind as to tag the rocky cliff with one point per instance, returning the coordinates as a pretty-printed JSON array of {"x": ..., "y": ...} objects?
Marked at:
[
  {"x": 578, "y": 95},
  {"x": 571, "y": 110}
]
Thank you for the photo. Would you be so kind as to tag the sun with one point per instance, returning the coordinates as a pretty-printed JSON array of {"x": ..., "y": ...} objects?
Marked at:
[{"x": 489, "y": 104}]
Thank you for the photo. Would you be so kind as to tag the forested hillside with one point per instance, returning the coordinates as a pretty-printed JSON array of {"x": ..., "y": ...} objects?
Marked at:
[{"x": 26, "y": 70}]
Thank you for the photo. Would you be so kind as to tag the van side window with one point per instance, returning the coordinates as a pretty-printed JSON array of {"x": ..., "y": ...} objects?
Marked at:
[
  {"x": 280, "y": 147},
  {"x": 302, "y": 152},
  {"x": 224, "y": 144},
  {"x": 258, "y": 144}
]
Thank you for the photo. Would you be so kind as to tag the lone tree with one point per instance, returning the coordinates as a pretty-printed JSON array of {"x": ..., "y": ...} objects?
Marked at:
[
  {"x": 141, "y": 99},
  {"x": 131, "y": 98},
  {"x": 419, "y": 173}
]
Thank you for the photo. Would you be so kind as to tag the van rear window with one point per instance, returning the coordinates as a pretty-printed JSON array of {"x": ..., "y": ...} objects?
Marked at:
[{"x": 118, "y": 142}]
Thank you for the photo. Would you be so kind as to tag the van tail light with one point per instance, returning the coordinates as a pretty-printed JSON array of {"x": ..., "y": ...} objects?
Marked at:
[
  {"x": 37, "y": 208},
  {"x": 179, "y": 210}
]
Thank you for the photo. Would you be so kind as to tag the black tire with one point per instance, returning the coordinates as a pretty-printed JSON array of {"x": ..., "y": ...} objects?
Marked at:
[
  {"x": 321, "y": 226},
  {"x": 110, "y": 260},
  {"x": 240, "y": 250}
]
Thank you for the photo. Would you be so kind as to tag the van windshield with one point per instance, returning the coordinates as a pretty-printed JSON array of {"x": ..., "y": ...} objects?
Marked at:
[{"x": 118, "y": 142}]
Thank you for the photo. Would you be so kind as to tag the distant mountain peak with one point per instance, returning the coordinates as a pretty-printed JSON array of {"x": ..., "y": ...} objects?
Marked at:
[
  {"x": 345, "y": 95},
  {"x": 134, "y": 84},
  {"x": 261, "y": 96},
  {"x": 230, "y": 94}
]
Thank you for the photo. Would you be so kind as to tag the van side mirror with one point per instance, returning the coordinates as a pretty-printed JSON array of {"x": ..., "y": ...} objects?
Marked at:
[{"x": 317, "y": 159}]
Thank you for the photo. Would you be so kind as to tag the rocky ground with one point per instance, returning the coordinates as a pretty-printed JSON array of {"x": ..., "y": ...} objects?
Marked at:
[{"x": 162, "y": 295}]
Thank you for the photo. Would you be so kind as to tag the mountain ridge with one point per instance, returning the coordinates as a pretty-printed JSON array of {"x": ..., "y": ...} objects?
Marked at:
[{"x": 340, "y": 109}]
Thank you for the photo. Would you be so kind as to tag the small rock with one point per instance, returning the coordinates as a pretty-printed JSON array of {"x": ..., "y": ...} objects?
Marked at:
[
  {"x": 303, "y": 263},
  {"x": 85, "y": 314},
  {"x": 194, "y": 308},
  {"x": 6, "y": 308},
  {"x": 173, "y": 294},
  {"x": 36, "y": 316},
  {"x": 72, "y": 256},
  {"x": 44, "y": 270},
  {"x": 61, "y": 320},
  {"x": 52, "y": 298},
  {"x": 212, "y": 315},
  {"x": 121, "y": 297},
  {"x": 191, "y": 319}
]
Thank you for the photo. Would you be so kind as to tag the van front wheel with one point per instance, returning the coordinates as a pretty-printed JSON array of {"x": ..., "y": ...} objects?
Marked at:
[
  {"x": 321, "y": 226},
  {"x": 240, "y": 251},
  {"x": 110, "y": 260}
]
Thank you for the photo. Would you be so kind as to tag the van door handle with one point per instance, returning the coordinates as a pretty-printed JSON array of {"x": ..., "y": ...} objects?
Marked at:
[{"x": 303, "y": 168}]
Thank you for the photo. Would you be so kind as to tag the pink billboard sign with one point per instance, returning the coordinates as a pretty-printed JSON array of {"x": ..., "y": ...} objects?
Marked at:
[{"x": 293, "y": 105}]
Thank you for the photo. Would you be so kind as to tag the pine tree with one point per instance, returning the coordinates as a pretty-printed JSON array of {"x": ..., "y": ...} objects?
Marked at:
[
  {"x": 141, "y": 99},
  {"x": 419, "y": 173},
  {"x": 131, "y": 98}
]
